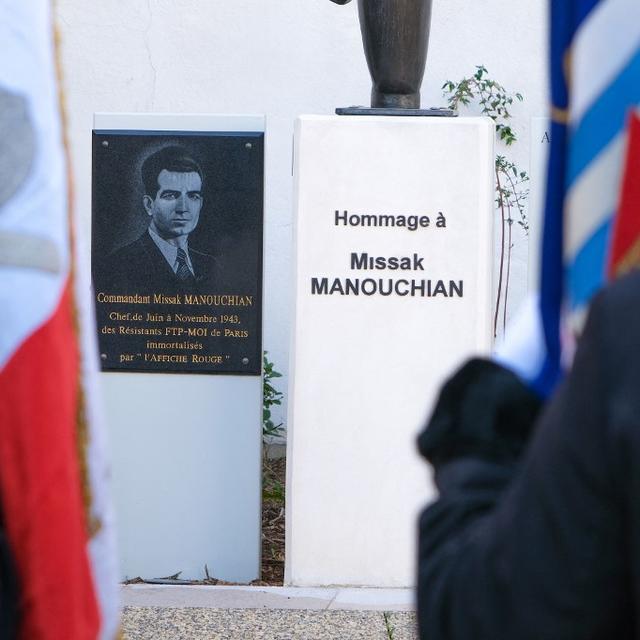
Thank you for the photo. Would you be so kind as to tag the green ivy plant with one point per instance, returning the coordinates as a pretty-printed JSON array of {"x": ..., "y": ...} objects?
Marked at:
[
  {"x": 270, "y": 397},
  {"x": 493, "y": 100}
]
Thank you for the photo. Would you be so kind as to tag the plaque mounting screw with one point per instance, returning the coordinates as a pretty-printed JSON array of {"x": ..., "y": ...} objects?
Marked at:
[
  {"x": 248, "y": 145},
  {"x": 245, "y": 360},
  {"x": 105, "y": 143},
  {"x": 103, "y": 356}
]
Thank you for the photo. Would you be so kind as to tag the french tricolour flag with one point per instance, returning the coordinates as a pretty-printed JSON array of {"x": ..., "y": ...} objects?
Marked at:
[{"x": 53, "y": 497}]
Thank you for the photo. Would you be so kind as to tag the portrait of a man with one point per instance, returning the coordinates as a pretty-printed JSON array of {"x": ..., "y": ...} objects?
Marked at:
[
  {"x": 161, "y": 260},
  {"x": 176, "y": 249}
]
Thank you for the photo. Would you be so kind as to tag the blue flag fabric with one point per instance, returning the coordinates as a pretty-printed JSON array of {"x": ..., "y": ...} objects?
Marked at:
[{"x": 595, "y": 81}]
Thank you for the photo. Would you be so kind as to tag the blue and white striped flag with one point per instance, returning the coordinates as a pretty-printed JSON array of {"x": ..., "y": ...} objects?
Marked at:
[{"x": 595, "y": 84}]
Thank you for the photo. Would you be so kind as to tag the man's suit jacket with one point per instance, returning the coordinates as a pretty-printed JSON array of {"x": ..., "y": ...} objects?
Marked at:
[
  {"x": 140, "y": 267},
  {"x": 545, "y": 545}
]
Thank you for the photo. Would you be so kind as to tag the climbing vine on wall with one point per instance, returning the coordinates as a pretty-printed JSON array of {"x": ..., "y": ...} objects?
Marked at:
[{"x": 479, "y": 92}]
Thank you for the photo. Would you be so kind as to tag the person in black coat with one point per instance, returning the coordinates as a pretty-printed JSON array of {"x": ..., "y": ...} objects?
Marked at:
[
  {"x": 538, "y": 540},
  {"x": 161, "y": 260}
]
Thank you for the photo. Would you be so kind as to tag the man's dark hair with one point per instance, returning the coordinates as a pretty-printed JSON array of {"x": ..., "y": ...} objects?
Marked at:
[{"x": 169, "y": 158}]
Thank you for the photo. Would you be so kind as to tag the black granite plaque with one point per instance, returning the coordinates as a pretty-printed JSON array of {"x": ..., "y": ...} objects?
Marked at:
[{"x": 177, "y": 250}]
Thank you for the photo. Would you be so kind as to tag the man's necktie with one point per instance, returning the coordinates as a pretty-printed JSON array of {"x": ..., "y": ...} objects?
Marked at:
[{"x": 183, "y": 272}]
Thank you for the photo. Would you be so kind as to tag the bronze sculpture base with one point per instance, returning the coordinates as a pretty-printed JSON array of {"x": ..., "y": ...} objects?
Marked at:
[
  {"x": 381, "y": 100},
  {"x": 384, "y": 111}
]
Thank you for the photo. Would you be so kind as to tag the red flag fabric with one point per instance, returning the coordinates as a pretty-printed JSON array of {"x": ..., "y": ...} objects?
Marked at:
[
  {"x": 42, "y": 470},
  {"x": 40, "y": 483},
  {"x": 624, "y": 252}
]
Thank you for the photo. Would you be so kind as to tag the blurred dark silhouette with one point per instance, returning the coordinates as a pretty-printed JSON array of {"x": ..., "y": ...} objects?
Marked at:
[{"x": 538, "y": 538}]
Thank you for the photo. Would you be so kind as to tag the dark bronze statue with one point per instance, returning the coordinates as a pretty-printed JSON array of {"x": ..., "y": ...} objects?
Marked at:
[{"x": 395, "y": 34}]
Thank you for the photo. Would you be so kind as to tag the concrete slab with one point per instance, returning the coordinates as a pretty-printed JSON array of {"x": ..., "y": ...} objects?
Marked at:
[
  {"x": 245, "y": 597},
  {"x": 227, "y": 597},
  {"x": 374, "y": 599}
]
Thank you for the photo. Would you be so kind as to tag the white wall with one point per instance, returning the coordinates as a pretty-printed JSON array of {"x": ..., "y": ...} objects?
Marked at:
[{"x": 281, "y": 59}]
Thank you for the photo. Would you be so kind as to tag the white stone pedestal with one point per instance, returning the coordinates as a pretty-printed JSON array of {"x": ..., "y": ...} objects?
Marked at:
[
  {"x": 371, "y": 342},
  {"x": 186, "y": 448}
]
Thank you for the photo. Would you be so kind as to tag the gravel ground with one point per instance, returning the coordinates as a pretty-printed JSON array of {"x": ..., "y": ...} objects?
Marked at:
[{"x": 146, "y": 623}]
